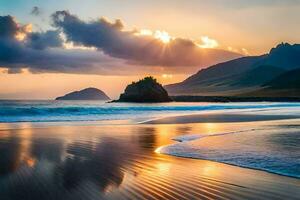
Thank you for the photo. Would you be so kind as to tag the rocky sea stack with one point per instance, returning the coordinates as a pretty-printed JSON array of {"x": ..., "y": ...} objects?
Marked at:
[
  {"x": 85, "y": 94},
  {"x": 145, "y": 90}
]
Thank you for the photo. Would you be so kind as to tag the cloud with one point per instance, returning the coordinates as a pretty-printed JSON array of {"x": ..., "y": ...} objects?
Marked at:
[
  {"x": 10, "y": 31},
  {"x": 36, "y": 11},
  {"x": 98, "y": 47},
  {"x": 41, "y": 52},
  {"x": 18, "y": 41},
  {"x": 139, "y": 49},
  {"x": 43, "y": 40},
  {"x": 242, "y": 51},
  {"x": 208, "y": 42},
  {"x": 8, "y": 27}
]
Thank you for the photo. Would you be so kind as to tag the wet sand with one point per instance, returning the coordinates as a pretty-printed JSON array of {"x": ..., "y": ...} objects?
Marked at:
[{"x": 120, "y": 162}]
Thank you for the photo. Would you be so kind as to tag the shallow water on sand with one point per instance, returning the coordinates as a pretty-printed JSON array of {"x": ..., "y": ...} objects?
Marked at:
[
  {"x": 120, "y": 162},
  {"x": 269, "y": 146}
]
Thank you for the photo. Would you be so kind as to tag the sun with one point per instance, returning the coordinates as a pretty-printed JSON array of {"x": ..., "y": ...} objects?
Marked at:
[
  {"x": 208, "y": 43},
  {"x": 163, "y": 36},
  {"x": 167, "y": 76}
]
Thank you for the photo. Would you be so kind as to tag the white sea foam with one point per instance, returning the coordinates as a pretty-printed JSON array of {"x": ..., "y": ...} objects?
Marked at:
[
  {"x": 274, "y": 150},
  {"x": 190, "y": 137},
  {"x": 61, "y": 111}
]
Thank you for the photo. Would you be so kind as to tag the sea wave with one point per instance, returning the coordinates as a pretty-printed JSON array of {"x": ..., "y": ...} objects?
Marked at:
[
  {"x": 17, "y": 111},
  {"x": 190, "y": 137},
  {"x": 273, "y": 150}
]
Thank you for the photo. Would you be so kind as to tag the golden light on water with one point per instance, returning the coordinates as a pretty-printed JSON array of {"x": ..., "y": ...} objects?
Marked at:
[
  {"x": 211, "y": 127},
  {"x": 163, "y": 166},
  {"x": 158, "y": 149},
  {"x": 130, "y": 171},
  {"x": 209, "y": 169},
  {"x": 30, "y": 162}
]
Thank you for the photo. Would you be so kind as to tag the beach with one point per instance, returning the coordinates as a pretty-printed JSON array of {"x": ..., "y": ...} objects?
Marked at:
[
  {"x": 78, "y": 160},
  {"x": 149, "y": 100},
  {"x": 219, "y": 118}
]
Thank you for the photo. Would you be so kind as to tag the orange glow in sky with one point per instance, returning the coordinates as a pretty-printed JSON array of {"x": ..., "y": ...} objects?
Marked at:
[
  {"x": 34, "y": 86},
  {"x": 208, "y": 42},
  {"x": 240, "y": 27},
  {"x": 160, "y": 35},
  {"x": 163, "y": 36}
]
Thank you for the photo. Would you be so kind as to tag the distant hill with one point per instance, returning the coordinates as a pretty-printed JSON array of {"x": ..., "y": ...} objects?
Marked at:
[
  {"x": 241, "y": 76},
  {"x": 145, "y": 90},
  {"x": 85, "y": 94},
  {"x": 256, "y": 76},
  {"x": 285, "y": 85},
  {"x": 209, "y": 81},
  {"x": 284, "y": 55},
  {"x": 288, "y": 80}
]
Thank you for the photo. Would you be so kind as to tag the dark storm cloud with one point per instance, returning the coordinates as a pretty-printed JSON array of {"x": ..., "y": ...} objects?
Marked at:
[
  {"x": 118, "y": 52},
  {"x": 18, "y": 43},
  {"x": 36, "y": 11},
  {"x": 40, "y": 52},
  {"x": 44, "y": 40},
  {"x": 63, "y": 61},
  {"x": 10, "y": 48},
  {"x": 114, "y": 41},
  {"x": 8, "y": 27}
]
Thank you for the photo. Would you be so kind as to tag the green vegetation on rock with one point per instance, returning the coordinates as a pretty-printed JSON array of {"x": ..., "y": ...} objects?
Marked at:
[{"x": 145, "y": 90}]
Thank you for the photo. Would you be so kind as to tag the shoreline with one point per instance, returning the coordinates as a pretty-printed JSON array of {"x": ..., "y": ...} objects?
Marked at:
[
  {"x": 235, "y": 165},
  {"x": 219, "y": 118},
  {"x": 232, "y": 99}
]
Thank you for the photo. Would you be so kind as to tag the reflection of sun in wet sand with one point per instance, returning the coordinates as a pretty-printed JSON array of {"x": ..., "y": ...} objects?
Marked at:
[
  {"x": 209, "y": 169},
  {"x": 163, "y": 167},
  {"x": 212, "y": 127},
  {"x": 126, "y": 162},
  {"x": 30, "y": 162},
  {"x": 158, "y": 149}
]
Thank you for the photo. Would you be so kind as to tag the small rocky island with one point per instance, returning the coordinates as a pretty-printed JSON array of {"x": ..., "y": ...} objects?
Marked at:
[
  {"x": 85, "y": 94},
  {"x": 146, "y": 90}
]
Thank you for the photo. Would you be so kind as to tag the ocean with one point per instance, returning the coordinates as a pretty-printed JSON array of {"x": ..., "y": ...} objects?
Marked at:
[
  {"x": 272, "y": 146},
  {"x": 69, "y": 111}
]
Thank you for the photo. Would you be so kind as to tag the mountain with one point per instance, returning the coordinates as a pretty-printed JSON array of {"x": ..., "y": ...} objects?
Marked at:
[
  {"x": 284, "y": 55},
  {"x": 85, "y": 94},
  {"x": 209, "y": 81},
  {"x": 287, "y": 84},
  {"x": 256, "y": 76},
  {"x": 288, "y": 80},
  {"x": 145, "y": 90},
  {"x": 240, "y": 76}
]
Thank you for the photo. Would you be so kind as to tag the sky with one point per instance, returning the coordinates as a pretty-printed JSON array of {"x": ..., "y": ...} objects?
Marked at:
[{"x": 50, "y": 47}]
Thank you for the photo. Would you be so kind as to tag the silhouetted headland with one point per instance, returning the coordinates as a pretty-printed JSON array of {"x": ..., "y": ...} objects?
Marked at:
[
  {"x": 85, "y": 94},
  {"x": 275, "y": 74},
  {"x": 225, "y": 99},
  {"x": 145, "y": 90}
]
